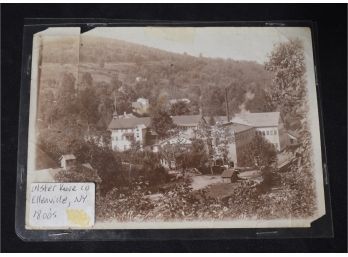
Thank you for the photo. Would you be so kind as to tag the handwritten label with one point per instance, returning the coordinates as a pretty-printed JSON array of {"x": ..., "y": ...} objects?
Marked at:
[{"x": 62, "y": 205}]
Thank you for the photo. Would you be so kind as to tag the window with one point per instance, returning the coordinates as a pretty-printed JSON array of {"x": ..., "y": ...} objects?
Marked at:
[
  {"x": 116, "y": 138},
  {"x": 263, "y": 133},
  {"x": 275, "y": 132},
  {"x": 267, "y": 132},
  {"x": 271, "y": 132}
]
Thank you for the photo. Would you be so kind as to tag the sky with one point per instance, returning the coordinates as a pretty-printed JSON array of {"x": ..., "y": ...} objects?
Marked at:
[{"x": 238, "y": 43}]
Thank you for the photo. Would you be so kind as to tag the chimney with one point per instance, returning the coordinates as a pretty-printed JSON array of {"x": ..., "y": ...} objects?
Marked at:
[{"x": 227, "y": 109}]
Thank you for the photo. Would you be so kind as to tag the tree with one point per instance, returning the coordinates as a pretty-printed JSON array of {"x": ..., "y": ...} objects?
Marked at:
[
  {"x": 179, "y": 108},
  {"x": 259, "y": 151},
  {"x": 161, "y": 122},
  {"x": 87, "y": 80},
  {"x": 104, "y": 160},
  {"x": 286, "y": 62},
  {"x": 198, "y": 155},
  {"x": 88, "y": 106},
  {"x": 152, "y": 170},
  {"x": 288, "y": 93},
  {"x": 213, "y": 99}
]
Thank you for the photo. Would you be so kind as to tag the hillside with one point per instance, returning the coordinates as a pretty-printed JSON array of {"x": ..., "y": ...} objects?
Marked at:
[
  {"x": 151, "y": 73},
  {"x": 130, "y": 71}
]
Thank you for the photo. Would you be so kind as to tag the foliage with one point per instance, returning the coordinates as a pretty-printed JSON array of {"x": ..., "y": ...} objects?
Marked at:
[
  {"x": 198, "y": 156},
  {"x": 161, "y": 121},
  {"x": 87, "y": 80},
  {"x": 259, "y": 151},
  {"x": 286, "y": 62},
  {"x": 87, "y": 104},
  {"x": 288, "y": 92},
  {"x": 179, "y": 108},
  {"x": 152, "y": 171},
  {"x": 244, "y": 201},
  {"x": 103, "y": 160},
  {"x": 78, "y": 173}
]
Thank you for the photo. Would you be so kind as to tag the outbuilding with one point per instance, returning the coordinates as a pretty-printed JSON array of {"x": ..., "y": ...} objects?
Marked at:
[{"x": 229, "y": 175}]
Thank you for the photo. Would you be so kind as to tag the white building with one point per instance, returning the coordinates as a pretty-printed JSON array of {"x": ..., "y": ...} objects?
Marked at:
[
  {"x": 268, "y": 124},
  {"x": 126, "y": 130}
]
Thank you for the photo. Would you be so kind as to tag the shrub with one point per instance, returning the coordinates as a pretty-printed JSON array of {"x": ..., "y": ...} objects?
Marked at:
[{"x": 260, "y": 150}]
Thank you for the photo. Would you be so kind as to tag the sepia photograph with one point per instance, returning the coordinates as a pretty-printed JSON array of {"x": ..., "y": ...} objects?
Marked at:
[{"x": 173, "y": 127}]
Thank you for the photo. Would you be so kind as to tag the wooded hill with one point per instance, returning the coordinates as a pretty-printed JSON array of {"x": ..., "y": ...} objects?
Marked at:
[
  {"x": 152, "y": 73},
  {"x": 108, "y": 66}
]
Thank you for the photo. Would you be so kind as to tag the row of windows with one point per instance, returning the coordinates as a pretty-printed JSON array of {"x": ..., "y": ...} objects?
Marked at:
[
  {"x": 267, "y": 132},
  {"x": 115, "y": 138},
  {"x": 125, "y": 130}
]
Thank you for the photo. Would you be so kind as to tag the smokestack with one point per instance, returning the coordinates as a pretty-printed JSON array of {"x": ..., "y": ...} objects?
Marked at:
[
  {"x": 115, "y": 115},
  {"x": 227, "y": 110}
]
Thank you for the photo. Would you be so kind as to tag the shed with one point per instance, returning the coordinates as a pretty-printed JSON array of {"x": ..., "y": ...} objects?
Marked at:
[
  {"x": 67, "y": 161},
  {"x": 228, "y": 175}
]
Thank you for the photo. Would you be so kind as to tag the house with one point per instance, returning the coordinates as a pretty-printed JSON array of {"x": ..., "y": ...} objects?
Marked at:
[
  {"x": 293, "y": 137},
  {"x": 141, "y": 106},
  {"x": 125, "y": 131},
  {"x": 67, "y": 161},
  {"x": 128, "y": 130},
  {"x": 236, "y": 137}
]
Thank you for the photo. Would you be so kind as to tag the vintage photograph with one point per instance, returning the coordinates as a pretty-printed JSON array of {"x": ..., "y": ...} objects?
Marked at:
[{"x": 177, "y": 127}]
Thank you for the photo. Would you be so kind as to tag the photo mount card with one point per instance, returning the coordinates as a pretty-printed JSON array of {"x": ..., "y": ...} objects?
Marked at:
[{"x": 183, "y": 131}]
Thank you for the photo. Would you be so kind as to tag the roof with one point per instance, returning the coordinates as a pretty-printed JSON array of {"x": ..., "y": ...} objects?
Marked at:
[
  {"x": 123, "y": 123},
  {"x": 87, "y": 165},
  {"x": 187, "y": 120},
  {"x": 259, "y": 119},
  {"x": 236, "y": 127},
  {"x": 182, "y": 138},
  {"x": 254, "y": 119},
  {"x": 68, "y": 157},
  {"x": 182, "y": 120},
  {"x": 227, "y": 173},
  {"x": 293, "y": 133}
]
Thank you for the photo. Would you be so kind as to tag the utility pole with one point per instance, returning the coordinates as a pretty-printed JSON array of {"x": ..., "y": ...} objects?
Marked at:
[{"x": 227, "y": 109}]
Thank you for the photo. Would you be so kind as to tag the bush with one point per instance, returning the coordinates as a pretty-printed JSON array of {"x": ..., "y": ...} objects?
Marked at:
[
  {"x": 259, "y": 151},
  {"x": 78, "y": 173}
]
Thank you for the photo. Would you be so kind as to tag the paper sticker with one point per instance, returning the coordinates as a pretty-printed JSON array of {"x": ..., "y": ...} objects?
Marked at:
[{"x": 62, "y": 205}]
